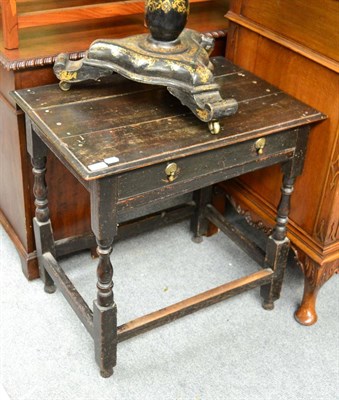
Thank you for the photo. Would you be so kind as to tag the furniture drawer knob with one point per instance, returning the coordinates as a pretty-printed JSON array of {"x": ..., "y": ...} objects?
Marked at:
[
  {"x": 259, "y": 145},
  {"x": 172, "y": 171}
]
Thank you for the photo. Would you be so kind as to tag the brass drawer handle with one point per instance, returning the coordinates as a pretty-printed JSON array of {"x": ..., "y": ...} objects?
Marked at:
[
  {"x": 172, "y": 172},
  {"x": 259, "y": 145}
]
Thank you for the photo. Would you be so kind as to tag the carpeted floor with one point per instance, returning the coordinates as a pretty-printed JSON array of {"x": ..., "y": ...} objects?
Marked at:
[{"x": 232, "y": 350}]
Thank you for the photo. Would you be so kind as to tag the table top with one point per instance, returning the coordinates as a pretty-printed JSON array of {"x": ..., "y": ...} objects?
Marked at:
[{"x": 116, "y": 125}]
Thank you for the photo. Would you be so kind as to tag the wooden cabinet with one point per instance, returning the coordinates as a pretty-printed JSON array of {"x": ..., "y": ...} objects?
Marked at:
[
  {"x": 294, "y": 45},
  {"x": 26, "y": 59}
]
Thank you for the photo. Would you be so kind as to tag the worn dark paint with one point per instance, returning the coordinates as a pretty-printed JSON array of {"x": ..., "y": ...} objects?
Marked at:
[
  {"x": 98, "y": 125},
  {"x": 166, "y": 25}
]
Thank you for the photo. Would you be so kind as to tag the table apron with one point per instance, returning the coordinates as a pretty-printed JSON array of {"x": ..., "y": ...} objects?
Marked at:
[{"x": 188, "y": 185}]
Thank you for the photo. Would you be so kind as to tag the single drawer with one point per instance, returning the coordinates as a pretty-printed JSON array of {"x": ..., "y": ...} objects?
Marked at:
[{"x": 169, "y": 177}]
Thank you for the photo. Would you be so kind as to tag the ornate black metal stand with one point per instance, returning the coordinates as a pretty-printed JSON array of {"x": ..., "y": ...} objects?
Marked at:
[{"x": 171, "y": 56}]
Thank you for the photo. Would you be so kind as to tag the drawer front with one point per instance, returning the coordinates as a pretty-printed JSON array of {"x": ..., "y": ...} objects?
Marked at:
[{"x": 199, "y": 166}]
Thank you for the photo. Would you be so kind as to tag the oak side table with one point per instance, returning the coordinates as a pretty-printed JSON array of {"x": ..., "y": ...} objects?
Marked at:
[{"x": 135, "y": 146}]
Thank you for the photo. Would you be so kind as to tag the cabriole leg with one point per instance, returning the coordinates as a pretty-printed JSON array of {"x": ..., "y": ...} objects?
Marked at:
[{"x": 316, "y": 275}]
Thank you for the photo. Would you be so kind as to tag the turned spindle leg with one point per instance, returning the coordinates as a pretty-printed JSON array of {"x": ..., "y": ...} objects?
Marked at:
[
  {"x": 41, "y": 223},
  {"x": 278, "y": 247},
  {"x": 105, "y": 314},
  {"x": 104, "y": 226},
  {"x": 44, "y": 240}
]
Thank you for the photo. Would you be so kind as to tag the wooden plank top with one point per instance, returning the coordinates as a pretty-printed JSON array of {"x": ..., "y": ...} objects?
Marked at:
[{"x": 120, "y": 125}]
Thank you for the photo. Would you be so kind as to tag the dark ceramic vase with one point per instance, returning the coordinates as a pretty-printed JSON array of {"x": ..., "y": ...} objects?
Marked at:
[{"x": 166, "y": 18}]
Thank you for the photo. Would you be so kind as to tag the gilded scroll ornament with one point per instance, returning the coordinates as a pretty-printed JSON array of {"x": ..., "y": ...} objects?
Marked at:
[
  {"x": 68, "y": 75},
  {"x": 166, "y": 6}
]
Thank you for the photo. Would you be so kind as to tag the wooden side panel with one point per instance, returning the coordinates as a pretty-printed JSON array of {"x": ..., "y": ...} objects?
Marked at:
[
  {"x": 10, "y": 24},
  {"x": 316, "y": 86},
  {"x": 12, "y": 194},
  {"x": 68, "y": 202},
  {"x": 327, "y": 227},
  {"x": 312, "y": 23}
]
